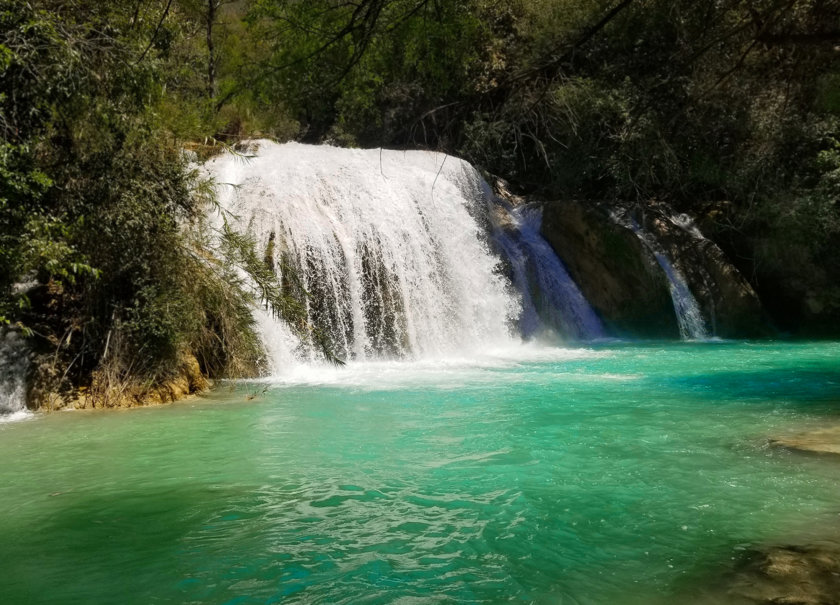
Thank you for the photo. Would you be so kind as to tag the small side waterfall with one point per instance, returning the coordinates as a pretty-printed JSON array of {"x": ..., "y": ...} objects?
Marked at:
[
  {"x": 550, "y": 296},
  {"x": 689, "y": 317},
  {"x": 692, "y": 325},
  {"x": 14, "y": 364}
]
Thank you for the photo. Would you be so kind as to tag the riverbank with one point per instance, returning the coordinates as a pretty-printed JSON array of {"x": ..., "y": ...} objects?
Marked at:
[
  {"x": 106, "y": 391},
  {"x": 803, "y": 571}
]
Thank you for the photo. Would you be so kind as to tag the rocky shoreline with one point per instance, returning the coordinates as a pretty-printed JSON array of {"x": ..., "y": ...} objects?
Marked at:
[
  {"x": 185, "y": 380},
  {"x": 789, "y": 575}
]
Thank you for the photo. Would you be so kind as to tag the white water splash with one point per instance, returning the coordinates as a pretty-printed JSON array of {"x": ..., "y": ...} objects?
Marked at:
[
  {"x": 686, "y": 223},
  {"x": 496, "y": 366},
  {"x": 14, "y": 363},
  {"x": 389, "y": 245}
]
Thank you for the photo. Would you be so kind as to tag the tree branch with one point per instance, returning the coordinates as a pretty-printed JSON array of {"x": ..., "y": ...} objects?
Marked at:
[{"x": 157, "y": 31}]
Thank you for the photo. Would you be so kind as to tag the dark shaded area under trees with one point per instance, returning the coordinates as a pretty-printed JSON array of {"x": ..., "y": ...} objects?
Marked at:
[{"x": 725, "y": 109}]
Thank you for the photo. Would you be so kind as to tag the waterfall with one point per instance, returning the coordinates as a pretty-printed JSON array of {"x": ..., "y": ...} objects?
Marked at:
[
  {"x": 14, "y": 364},
  {"x": 391, "y": 246},
  {"x": 398, "y": 253},
  {"x": 689, "y": 317},
  {"x": 550, "y": 297}
]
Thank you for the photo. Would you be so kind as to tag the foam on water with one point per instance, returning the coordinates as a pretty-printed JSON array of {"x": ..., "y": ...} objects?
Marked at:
[
  {"x": 17, "y": 416},
  {"x": 450, "y": 372}
]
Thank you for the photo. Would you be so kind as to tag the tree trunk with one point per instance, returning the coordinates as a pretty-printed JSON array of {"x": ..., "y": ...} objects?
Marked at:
[{"x": 211, "y": 52}]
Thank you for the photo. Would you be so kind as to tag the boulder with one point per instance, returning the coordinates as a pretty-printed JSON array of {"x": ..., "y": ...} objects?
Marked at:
[
  {"x": 789, "y": 575},
  {"x": 820, "y": 441}
]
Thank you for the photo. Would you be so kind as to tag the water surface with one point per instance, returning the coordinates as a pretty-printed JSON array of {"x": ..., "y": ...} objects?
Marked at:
[{"x": 615, "y": 473}]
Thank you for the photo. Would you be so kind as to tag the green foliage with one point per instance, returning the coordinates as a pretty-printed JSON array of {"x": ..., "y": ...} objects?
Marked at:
[
  {"x": 702, "y": 104},
  {"x": 103, "y": 251},
  {"x": 355, "y": 73}
]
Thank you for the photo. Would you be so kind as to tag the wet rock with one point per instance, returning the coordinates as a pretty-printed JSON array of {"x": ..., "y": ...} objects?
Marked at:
[
  {"x": 613, "y": 269},
  {"x": 108, "y": 391},
  {"x": 789, "y": 575},
  {"x": 15, "y": 369},
  {"x": 819, "y": 441},
  {"x": 622, "y": 280},
  {"x": 729, "y": 303}
]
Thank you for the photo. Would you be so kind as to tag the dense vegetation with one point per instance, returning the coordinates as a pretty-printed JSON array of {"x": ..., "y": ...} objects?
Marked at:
[
  {"x": 106, "y": 258},
  {"x": 728, "y": 109}
]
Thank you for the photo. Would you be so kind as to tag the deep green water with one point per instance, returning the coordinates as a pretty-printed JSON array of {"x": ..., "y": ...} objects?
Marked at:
[{"x": 616, "y": 474}]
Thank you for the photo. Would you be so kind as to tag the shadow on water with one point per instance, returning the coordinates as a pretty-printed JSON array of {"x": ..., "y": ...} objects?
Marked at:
[
  {"x": 82, "y": 547},
  {"x": 817, "y": 386}
]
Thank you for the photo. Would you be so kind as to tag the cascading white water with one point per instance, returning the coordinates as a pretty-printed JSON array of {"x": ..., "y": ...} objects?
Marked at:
[
  {"x": 550, "y": 296},
  {"x": 389, "y": 245},
  {"x": 689, "y": 317},
  {"x": 14, "y": 363}
]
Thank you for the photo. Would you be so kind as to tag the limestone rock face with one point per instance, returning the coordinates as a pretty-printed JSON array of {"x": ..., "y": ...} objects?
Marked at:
[
  {"x": 729, "y": 304},
  {"x": 106, "y": 391},
  {"x": 616, "y": 273},
  {"x": 187, "y": 380},
  {"x": 620, "y": 277},
  {"x": 824, "y": 440}
]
